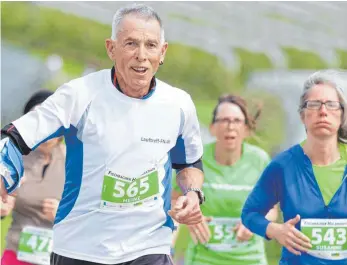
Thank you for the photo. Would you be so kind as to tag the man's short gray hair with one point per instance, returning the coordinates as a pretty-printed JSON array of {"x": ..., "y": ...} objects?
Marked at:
[
  {"x": 337, "y": 79},
  {"x": 140, "y": 10}
]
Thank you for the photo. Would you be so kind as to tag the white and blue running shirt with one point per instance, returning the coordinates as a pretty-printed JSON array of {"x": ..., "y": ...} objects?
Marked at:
[{"x": 120, "y": 152}]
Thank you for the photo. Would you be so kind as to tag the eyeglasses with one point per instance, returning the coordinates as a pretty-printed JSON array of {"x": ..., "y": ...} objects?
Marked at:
[
  {"x": 227, "y": 121},
  {"x": 317, "y": 104}
]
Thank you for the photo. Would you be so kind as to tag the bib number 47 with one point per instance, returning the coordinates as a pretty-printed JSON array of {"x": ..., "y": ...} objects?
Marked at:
[{"x": 40, "y": 243}]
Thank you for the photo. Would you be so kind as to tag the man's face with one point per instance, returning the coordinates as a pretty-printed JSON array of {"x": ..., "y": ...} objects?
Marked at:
[{"x": 137, "y": 51}]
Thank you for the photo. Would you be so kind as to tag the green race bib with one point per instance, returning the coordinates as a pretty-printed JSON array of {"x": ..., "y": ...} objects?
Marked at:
[
  {"x": 328, "y": 237},
  {"x": 121, "y": 192},
  {"x": 223, "y": 238},
  {"x": 35, "y": 245}
]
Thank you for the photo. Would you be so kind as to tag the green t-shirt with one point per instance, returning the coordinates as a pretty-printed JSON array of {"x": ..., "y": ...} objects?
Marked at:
[
  {"x": 226, "y": 189},
  {"x": 329, "y": 178}
]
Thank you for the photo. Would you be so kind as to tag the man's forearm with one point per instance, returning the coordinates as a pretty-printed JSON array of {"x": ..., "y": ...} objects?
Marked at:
[{"x": 190, "y": 177}]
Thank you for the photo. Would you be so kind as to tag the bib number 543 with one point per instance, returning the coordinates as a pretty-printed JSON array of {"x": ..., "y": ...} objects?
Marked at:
[{"x": 332, "y": 236}]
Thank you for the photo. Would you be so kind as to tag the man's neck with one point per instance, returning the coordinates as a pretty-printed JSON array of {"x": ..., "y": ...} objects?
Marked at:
[
  {"x": 322, "y": 151},
  {"x": 123, "y": 87},
  {"x": 131, "y": 92},
  {"x": 227, "y": 157}
]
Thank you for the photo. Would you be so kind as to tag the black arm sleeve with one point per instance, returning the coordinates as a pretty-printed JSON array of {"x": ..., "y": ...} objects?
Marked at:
[
  {"x": 197, "y": 164},
  {"x": 11, "y": 132}
]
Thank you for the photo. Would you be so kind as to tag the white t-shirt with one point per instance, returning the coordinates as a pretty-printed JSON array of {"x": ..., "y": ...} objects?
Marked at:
[{"x": 118, "y": 165}]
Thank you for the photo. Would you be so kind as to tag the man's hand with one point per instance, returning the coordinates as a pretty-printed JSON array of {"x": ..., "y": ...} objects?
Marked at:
[
  {"x": 200, "y": 232},
  {"x": 7, "y": 207},
  {"x": 187, "y": 209},
  {"x": 242, "y": 233},
  {"x": 49, "y": 208}
]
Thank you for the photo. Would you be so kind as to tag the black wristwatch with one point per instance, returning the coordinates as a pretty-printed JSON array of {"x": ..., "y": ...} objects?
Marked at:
[{"x": 200, "y": 193}]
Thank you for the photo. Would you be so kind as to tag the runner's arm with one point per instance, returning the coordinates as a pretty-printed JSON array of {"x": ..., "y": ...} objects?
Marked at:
[
  {"x": 190, "y": 177},
  {"x": 187, "y": 153},
  {"x": 262, "y": 199},
  {"x": 47, "y": 121}
]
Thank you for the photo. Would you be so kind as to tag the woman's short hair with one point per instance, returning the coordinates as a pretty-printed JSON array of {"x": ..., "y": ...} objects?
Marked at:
[{"x": 337, "y": 79}]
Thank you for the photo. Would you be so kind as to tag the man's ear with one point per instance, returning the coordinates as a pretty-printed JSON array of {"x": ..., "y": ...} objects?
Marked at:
[
  {"x": 110, "y": 49},
  {"x": 163, "y": 51}
]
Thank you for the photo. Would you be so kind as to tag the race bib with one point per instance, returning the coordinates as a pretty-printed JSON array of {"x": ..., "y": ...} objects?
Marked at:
[
  {"x": 223, "y": 238},
  {"x": 35, "y": 245},
  {"x": 328, "y": 237},
  {"x": 121, "y": 192}
]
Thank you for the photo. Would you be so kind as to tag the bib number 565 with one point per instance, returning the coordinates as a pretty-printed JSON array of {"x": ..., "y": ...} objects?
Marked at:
[{"x": 136, "y": 187}]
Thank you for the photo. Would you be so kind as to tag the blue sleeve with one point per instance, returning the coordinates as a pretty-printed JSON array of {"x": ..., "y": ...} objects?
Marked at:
[
  {"x": 11, "y": 164},
  {"x": 262, "y": 199},
  {"x": 188, "y": 148}
]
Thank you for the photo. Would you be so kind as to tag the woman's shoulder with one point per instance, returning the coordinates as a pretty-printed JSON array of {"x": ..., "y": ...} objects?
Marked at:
[
  {"x": 291, "y": 155},
  {"x": 255, "y": 151}
]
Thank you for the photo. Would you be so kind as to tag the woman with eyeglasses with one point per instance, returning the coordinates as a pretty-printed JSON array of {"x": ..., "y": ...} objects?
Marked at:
[
  {"x": 231, "y": 167},
  {"x": 309, "y": 181}
]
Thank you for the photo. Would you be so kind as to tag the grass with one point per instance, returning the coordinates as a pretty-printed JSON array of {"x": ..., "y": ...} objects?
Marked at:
[
  {"x": 299, "y": 59},
  {"x": 5, "y": 225},
  {"x": 204, "y": 110},
  {"x": 251, "y": 61},
  {"x": 343, "y": 58}
]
